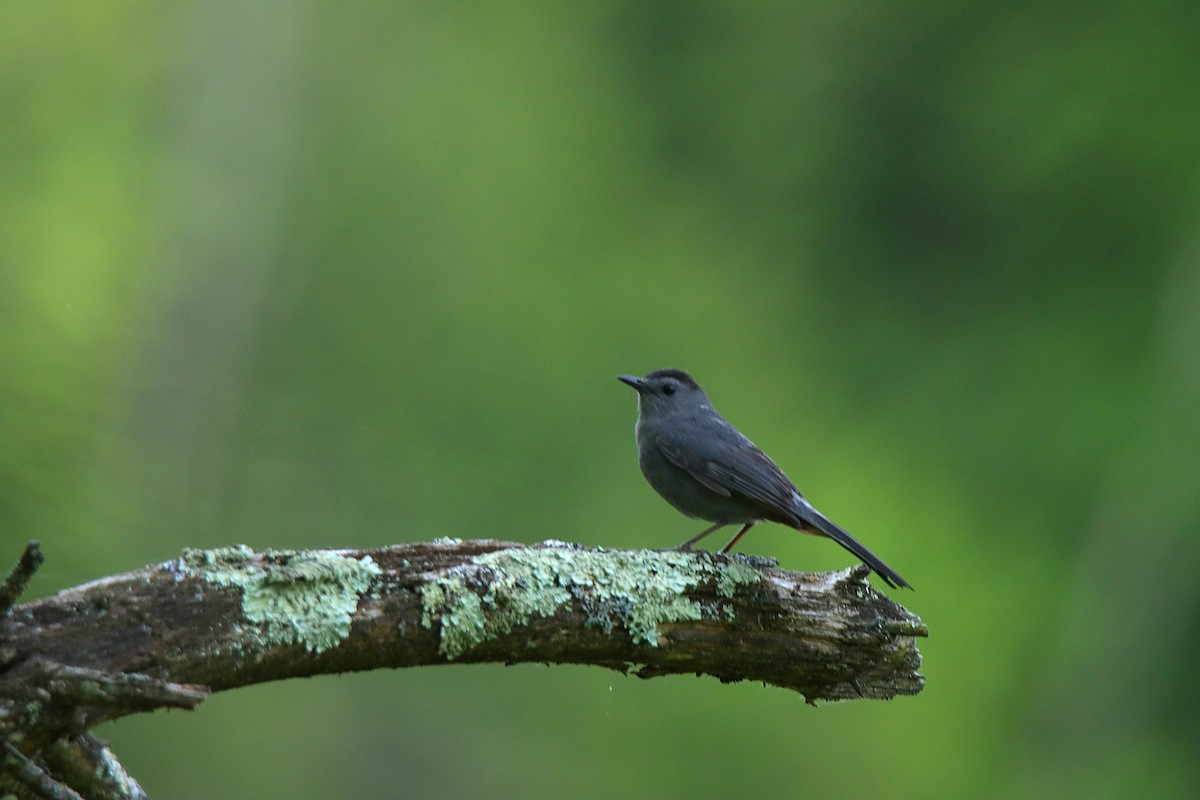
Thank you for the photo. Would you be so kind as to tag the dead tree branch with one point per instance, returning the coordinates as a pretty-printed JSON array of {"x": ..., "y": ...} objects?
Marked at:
[{"x": 167, "y": 635}]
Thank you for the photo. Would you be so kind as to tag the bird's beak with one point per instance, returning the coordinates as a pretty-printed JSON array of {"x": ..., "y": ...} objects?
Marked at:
[{"x": 634, "y": 381}]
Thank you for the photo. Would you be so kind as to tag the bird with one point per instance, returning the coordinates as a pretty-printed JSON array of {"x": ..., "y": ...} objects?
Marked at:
[{"x": 707, "y": 469}]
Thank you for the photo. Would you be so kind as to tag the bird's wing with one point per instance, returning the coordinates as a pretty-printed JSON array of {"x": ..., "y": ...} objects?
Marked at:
[
  {"x": 750, "y": 473},
  {"x": 675, "y": 456},
  {"x": 735, "y": 467}
]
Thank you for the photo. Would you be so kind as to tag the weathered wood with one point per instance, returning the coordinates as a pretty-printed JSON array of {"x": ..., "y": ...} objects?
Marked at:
[
  {"x": 14, "y": 585},
  {"x": 213, "y": 620}
]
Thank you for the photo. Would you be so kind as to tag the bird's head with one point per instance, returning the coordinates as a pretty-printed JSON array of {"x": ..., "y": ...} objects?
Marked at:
[{"x": 665, "y": 392}]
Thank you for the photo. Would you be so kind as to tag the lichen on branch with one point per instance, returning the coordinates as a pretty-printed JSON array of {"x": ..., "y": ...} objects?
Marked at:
[{"x": 638, "y": 590}]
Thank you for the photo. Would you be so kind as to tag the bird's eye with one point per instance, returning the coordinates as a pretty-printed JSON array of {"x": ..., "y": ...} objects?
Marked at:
[{"x": 669, "y": 389}]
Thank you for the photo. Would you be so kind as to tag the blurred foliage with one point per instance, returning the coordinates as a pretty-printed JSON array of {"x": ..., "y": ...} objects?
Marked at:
[{"x": 314, "y": 274}]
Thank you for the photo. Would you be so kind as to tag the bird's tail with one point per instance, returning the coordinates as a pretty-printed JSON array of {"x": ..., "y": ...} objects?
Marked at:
[{"x": 811, "y": 518}]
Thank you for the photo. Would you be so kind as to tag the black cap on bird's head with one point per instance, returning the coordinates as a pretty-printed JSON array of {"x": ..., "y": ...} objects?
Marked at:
[{"x": 665, "y": 389}]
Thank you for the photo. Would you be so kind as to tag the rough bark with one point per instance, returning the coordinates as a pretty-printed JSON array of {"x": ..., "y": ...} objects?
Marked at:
[{"x": 167, "y": 635}]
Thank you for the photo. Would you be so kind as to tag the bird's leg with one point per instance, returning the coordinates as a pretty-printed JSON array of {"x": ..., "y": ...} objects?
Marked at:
[
  {"x": 740, "y": 534},
  {"x": 688, "y": 544}
]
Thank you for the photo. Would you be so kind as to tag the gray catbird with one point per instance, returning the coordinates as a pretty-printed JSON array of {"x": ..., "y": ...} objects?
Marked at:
[{"x": 707, "y": 469}]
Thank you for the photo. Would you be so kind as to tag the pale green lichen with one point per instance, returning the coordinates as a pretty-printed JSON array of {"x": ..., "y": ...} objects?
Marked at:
[
  {"x": 291, "y": 596},
  {"x": 636, "y": 589}
]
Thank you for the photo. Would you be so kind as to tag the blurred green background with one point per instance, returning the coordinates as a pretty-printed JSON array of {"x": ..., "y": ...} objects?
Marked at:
[{"x": 311, "y": 274}]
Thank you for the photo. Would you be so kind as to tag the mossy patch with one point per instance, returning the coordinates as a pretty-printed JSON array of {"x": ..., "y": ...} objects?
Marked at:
[
  {"x": 636, "y": 589},
  {"x": 306, "y": 597}
]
